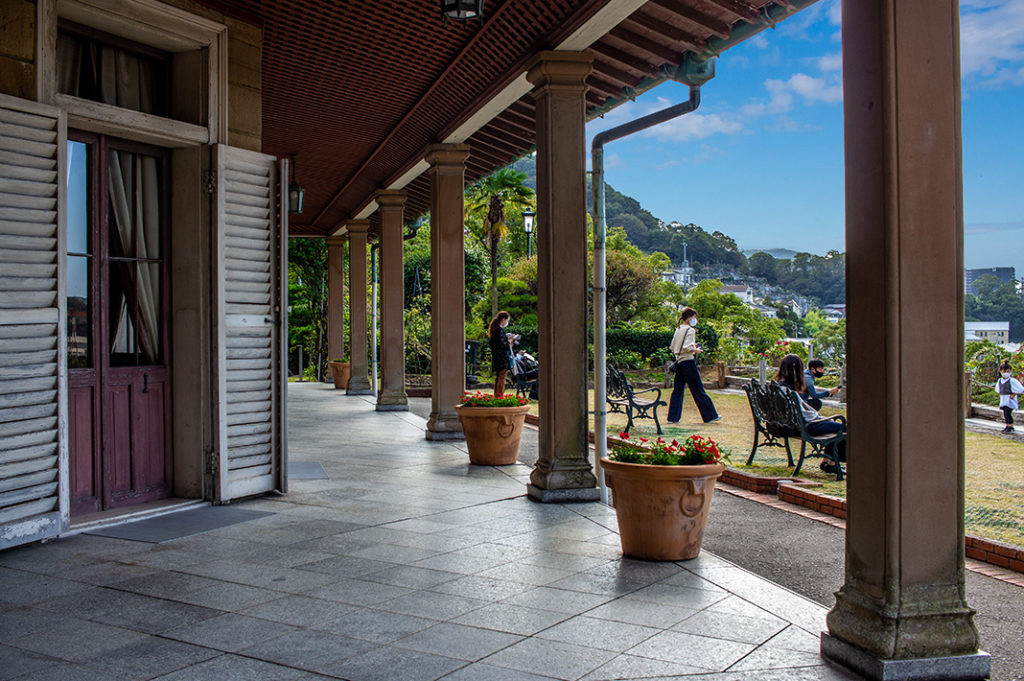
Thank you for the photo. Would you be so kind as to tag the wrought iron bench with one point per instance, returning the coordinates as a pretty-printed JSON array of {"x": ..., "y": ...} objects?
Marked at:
[
  {"x": 621, "y": 396},
  {"x": 777, "y": 417}
]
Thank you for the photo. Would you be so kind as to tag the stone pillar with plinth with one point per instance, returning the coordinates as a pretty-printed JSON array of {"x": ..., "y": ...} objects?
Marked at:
[
  {"x": 336, "y": 297},
  {"x": 563, "y": 471},
  {"x": 902, "y": 612},
  {"x": 447, "y": 289},
  {"x": 392, "y": 396},
  {"x": 359, "y": 383}
]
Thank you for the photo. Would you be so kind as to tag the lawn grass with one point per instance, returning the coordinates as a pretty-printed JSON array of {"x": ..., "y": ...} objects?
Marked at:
[{"x": 995, "y": 465}]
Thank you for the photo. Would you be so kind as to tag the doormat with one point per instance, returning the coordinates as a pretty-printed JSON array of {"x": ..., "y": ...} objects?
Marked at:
[
  {"x": 307, "y": 470},
  {"x": 177, "y": 525}
]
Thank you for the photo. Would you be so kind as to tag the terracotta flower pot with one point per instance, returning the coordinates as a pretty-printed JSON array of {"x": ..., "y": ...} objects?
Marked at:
[
  {"x": 341, "y": 372},
  {"x": 492, "y": 433},
  {"x": 662, "y": 510}
]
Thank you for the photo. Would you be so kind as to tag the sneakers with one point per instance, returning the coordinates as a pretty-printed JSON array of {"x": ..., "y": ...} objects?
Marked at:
[
  {"x": 1007, "y": 429},
  {"x": 717, "y": 418},
  {"x": 829, "y": 467}
]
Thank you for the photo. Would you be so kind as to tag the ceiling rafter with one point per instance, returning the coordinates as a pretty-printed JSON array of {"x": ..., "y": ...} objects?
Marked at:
[
  {"x": 696, "y": 17},
  {"x": 667, "y": 30},
  {"x": 652, "y": 48}
]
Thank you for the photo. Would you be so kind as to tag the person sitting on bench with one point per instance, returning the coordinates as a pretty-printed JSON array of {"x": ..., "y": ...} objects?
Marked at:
[
  {"x": 811, "y": 395},
  {"x": 791, "y": 375},
  {"x": 525, "y": 369}
]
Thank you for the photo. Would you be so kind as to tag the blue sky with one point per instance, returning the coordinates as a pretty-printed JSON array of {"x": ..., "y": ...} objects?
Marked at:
[{"x": 771, "y": 124}]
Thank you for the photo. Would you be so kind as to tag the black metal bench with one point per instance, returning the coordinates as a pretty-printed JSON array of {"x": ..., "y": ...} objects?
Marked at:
[
  {"x": 777, "y": 417},
  {"x": 621, "y": 396}
]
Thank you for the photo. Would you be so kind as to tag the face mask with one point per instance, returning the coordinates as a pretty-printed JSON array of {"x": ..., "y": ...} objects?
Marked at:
[
  {"x": 692, "y": 321},
  {"x": 1006, "y": 374}
]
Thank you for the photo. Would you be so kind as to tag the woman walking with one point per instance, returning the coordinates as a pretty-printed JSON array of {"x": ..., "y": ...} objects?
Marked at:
[
  {"x": 501, "y": 350},
  {"x": 684, "y": 347}
]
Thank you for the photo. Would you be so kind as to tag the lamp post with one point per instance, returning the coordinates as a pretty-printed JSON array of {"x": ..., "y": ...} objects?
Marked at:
[{"x": 528, "y": 216}]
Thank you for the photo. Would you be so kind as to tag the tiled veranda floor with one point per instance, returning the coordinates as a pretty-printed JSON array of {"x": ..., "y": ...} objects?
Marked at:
[{"x": 406, "y": 564}]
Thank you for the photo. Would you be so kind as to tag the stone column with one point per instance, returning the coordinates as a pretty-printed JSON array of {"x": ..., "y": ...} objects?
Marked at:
[
  {"x": 359, "y": 383},
  {"x": 902, "y": 612},
  {"x": 391, "y": 395},
  {"x": 447, "y": 289},
  {"x": 562, "y": 471},
  {"x": 336, "y": 297}
]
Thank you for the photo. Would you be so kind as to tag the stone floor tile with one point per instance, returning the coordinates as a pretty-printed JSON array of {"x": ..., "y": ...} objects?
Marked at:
[
  {"x": 391, "y": 664},
  {"x": 152, "y": 615},
  {"x": 148, "y": 658},
  {"x": 559, "y": 600},
  {"x": 480, "y": 671},
  {"x": 103, "y": 573},
  {"x": 83, "y": 604},
  {"x": 794, "y": 638},
  {"x": 309, "y": 649},
  {"x": 15, "y": 661},
  {"x": 559, "y": 660},
  {"x": 678, "y": 595},
  {"x": 482, "y": 588},
  {"x": 392, "y": 553},
  {"x": 698, "y": 651},
  {"x": 346, "y": 566},
  {"x": 633, "y": 667},
  {"x": 606, "y": 584},
  {"x": 458, "y": 641},
  {"x": 26, "y": 588},
  {"x": 730, "y": 627},
  {"x": 412, "y": 576},
  {"x": 432, "y": 605},
  {"x": 599, "y": 633},
  {"x": 563, "y": 561},
  {"x": 229, "y": 597},
  {"x": 21, "y": 621},
  {"x": 691, "y": 580},
  {"x": 514, "y": 619},
  {"x": 63, "y": 671},
  {"x": 767, "y": 657},
  {"x": 379, "y": 626},
  {"x": 75, "y": 640},
  {"x": 166, "y": 584},
  {"x": 526, "y": 574},
  {"x": 646, "y": 613},
  {"x": 299, "y": 611},
  {"x": 461, "y": 562},
  {"x": 234, "y": 668},
  {"x": 358, "y": 592},
  {"x": 230, "y": 632}
]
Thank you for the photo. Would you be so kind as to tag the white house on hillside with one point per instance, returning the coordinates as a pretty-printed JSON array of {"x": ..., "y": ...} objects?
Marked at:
[{"x": 997, "y": 332}]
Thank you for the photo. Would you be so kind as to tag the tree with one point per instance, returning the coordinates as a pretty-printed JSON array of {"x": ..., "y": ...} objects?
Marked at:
[
  {"x": 764, "y": 266},
  {"x": 307, "y": 299},
  {"x": 486, "y": 203}
]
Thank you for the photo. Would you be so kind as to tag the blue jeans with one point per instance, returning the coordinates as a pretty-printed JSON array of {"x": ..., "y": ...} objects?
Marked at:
[
  {"x": 827, "y": 428},
  {"x": 687, "y": 375}
]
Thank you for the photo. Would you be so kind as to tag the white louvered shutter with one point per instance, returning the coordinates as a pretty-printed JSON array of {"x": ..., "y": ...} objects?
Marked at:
[
  {"x": 33, "y": 373},
  {"x": 251, "y": 258}
]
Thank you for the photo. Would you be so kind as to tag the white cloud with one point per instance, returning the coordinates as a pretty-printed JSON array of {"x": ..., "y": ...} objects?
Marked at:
[
  {"x": 992, "y": 42},
  {"x": 831, "y": 62},
  {"x": 781, "y": 94},
  {"x": 695, "y": 126},
  {"x": 815, "y": 89}
]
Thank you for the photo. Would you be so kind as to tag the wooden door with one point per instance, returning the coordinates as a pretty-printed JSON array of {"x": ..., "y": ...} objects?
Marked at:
[{"x": 117, "y": 324}]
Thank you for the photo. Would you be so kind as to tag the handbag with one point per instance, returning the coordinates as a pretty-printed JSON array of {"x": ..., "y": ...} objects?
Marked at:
[{"x": 673, "y": 366}]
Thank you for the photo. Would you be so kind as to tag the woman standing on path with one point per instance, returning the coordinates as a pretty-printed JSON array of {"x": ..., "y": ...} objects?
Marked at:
[
  {"x": 501, "y": 350},
  {"x": 684, "y": 347}
]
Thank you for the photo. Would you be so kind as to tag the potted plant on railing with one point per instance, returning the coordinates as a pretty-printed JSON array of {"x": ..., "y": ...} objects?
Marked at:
[
  {"x": 661, "y": 492},
  {"x": 493, "y": 427},
  {"x": 340, "y": 371}
]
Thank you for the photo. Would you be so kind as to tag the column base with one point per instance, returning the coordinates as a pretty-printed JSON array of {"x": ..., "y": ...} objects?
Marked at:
[
  {"x": 562, "y": 496},
  {"x": 358, "y": 385},
  {"x": 440, "y": 428},
  {"x": 392, "y": 400},
  {"x": 975, "y": 667}
]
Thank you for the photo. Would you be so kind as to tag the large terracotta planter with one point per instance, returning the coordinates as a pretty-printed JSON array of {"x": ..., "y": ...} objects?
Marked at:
[
  {"x": 492, "y": 433},
  {"x": 662, "y": 510},
  {"x": 340, "y": 371}
]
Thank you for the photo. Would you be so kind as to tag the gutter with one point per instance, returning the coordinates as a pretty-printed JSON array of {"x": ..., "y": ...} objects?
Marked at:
[{"x": 692, "y": 72}]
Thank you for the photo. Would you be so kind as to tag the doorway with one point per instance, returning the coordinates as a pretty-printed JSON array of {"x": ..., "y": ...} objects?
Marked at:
[{"x": 117, "y": 323}]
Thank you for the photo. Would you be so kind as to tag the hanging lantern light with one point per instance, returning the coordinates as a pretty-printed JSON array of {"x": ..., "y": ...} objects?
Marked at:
[
  {"x": 296, "y": 192},
  {"x": 462, "y": 10}
]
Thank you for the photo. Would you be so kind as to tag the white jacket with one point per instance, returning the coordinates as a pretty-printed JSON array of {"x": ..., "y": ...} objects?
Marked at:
[
  {"x": 684, "y": 342},
  {"x": 1015, "y": 387}
]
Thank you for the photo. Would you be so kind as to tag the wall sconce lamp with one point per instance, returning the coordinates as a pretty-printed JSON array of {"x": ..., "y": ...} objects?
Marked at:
[
  {"x": 462, "y": 10},
  {"x": 296, "y": 192}
]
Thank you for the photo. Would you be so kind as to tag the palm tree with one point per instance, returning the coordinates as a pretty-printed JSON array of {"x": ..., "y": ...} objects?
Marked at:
[{"x": 486, "y": 202}]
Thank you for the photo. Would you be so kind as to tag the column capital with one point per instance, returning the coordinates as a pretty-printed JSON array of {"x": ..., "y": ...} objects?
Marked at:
[
  {"x": 551, "y": 69},
  {"x": 390, "y": 198},
  {"x": 358, "y": 226},
  {"x": 447, "y": 155},
  {"x": 336, "y": 241}
]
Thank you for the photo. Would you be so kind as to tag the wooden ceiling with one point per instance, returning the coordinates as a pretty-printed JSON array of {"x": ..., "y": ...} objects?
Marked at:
[{"x": 359, "y": 89}]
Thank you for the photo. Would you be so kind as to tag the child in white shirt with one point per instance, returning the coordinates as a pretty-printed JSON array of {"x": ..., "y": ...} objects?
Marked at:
[{"x": 1008, "y": 388}]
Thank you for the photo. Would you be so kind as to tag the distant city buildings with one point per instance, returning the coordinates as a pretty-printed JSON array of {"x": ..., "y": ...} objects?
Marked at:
[
  {"x": 997, "y": 332},
  {"x": 1004, "y": 274}
]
